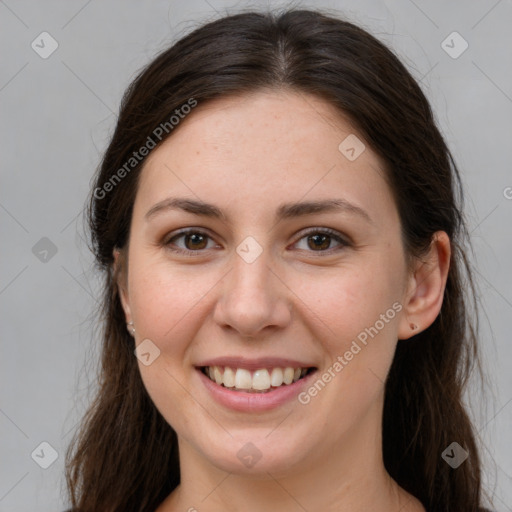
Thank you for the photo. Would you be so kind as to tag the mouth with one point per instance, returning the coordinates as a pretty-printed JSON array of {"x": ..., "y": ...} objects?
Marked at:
[{"x": 263, "y": 380}]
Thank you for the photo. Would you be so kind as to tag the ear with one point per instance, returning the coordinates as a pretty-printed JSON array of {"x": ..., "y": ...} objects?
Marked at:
[
  {"x": 425, "y": 289},
  {"x": 121, "y": 279}
]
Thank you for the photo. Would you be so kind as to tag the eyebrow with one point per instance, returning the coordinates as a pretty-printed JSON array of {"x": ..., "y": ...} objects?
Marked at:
[{"x": 284, "y": 211}]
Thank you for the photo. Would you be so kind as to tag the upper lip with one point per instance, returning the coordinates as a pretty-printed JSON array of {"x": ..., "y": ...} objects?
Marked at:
[{"x": 254, "y": 364}]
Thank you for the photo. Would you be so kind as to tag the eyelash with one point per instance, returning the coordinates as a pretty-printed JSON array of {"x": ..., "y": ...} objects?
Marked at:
[{"x": 189, "y": 252}]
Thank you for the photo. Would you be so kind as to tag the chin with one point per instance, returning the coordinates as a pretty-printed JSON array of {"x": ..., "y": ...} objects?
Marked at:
[{"x": 257, "y": 455}]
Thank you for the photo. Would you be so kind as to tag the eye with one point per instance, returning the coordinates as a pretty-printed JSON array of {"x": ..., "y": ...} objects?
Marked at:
[
  {"x": 320, "y": 239},
  {"x": 194, "y": 240}
]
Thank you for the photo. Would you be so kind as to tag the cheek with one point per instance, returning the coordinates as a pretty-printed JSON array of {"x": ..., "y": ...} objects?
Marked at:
[
  {"x": 165, "y": 304},
  {"x": 163, "y": 300},
  {"x": 346, "y": 301},
  {"x": 354, "y": 314}
]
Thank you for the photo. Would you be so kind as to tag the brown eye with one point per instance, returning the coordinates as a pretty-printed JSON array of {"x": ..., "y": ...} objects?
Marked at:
[
  {"x": 321, "y": 240},
  {"x": 193, "y": 241},
  {"x": 196, "y": 241}
]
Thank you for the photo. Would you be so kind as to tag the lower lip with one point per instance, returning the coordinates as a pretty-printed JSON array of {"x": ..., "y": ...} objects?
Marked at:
[{"x": 254, "y": 402}]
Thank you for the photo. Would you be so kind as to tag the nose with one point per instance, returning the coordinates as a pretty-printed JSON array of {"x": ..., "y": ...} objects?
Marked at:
[{"x": 253, "y": 299}]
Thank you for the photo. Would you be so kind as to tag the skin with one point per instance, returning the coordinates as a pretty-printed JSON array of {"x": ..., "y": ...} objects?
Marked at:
[{"x": 247, "y": 155}]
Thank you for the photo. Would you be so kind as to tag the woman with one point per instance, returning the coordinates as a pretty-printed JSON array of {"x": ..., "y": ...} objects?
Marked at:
[{"x": 285, "y": 325}]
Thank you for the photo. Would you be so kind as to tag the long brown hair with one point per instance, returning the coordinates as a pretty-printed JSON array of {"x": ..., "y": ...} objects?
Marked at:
[{"x": 125, "y": 455}]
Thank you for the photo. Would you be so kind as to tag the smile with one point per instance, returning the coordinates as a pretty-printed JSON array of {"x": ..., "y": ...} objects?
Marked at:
[{"x": 262, "y": 380}]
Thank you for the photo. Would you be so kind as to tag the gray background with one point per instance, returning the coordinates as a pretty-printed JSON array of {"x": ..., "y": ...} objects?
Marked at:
[{"x": 57, "y": 115}]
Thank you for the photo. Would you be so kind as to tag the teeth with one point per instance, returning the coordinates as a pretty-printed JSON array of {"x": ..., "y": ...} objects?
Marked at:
[
  {"x": 276, "y": 379},
  {"x": 261, "y": 380},
  {"x": 288, "y": 375},
  {"x": 243, "y": 379},
  {"x": 228, "y": 378},
  {"x": 216, "y": 375}
]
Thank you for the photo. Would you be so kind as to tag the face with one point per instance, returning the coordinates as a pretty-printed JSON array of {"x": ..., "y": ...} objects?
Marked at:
[{"x": 263, "y": 285}]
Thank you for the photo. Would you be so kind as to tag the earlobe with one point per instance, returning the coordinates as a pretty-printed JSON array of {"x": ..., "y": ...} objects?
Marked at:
[{"x": 426, "y": 288}]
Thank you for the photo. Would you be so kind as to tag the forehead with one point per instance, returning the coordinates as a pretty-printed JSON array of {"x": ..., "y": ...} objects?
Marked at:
[
  {"x": 265, "y": 145},
  {"x": 277, "y": 118}
]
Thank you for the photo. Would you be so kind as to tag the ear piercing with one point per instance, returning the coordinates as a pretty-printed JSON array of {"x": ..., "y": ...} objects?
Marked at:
[{"x": 131, "y": 329}]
